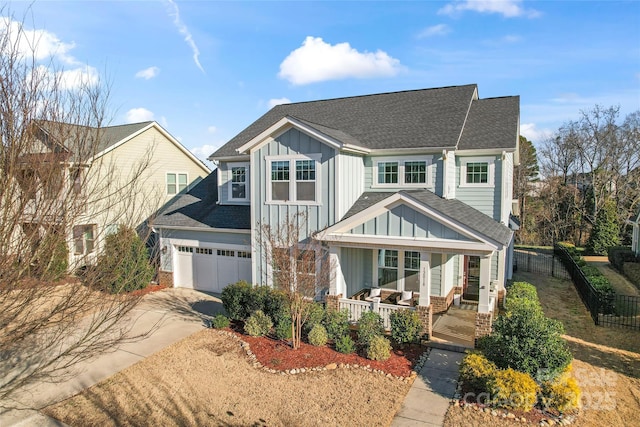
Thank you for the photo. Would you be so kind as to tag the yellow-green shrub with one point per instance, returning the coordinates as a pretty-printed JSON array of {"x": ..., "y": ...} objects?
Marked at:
[
  {"x": 561, "y": 393},
  {"x": 476, "y": 371},
  {"x": 379, "y": 348},
  {"x": 513, "y": 390}
]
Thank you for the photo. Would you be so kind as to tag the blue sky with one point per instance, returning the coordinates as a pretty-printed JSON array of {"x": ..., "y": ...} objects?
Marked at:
[{"x": 207, "y": 69}]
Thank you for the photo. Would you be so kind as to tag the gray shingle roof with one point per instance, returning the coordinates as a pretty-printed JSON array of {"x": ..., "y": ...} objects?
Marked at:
[
  {"x": 198, "y": 208},
  {"x": 451, "y": 208},
  {"x": 492, "y": 123},
  {"x": 426, "y": 118}
]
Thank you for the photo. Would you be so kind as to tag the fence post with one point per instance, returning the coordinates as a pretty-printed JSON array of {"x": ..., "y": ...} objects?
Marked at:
[
  {"x": 528, "y": 261},
  {"x": 553, "y": 265}
]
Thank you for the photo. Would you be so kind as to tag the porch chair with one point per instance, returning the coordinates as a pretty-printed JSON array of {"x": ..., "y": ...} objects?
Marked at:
[
  {"x": 406, "y": 298},
  {"x": 373, "y": 293}
]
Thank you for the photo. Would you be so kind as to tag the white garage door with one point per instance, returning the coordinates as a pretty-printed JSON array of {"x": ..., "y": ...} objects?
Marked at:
[{"x": 209, "y": 269}]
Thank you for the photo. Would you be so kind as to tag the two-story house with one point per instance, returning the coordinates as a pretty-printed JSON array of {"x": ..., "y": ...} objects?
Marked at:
[
  {"x": 87, "y": 181},
  {"x": 410, "y": 192}
]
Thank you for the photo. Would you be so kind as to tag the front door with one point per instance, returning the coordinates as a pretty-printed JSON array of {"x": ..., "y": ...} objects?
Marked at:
[{"x": 471, "y": 284}]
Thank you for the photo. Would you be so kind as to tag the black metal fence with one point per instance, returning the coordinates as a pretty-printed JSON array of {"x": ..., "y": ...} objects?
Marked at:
[
  {"x": 534, "y": 262},
  {"x": 605, "y": 309}
]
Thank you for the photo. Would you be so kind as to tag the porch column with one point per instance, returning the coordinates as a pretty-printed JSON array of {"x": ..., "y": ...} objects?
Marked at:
[
  {"x": 425, "y": 279},
  {"x": 336, "y": 280},
  {"x": 485, "y": 282}
]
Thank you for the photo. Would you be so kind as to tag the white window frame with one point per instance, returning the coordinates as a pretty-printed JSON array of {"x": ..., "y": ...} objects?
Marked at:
[
  {"x": 81, "y": 238},
  {"x": 316, "y": 157},
  {"x": 401, "y": 171},
  {"x": 400, "y": 269},
  {"x": 491, "y": 171},
  {"x": 230, "y": 183},
  {"x": 177, "y": 184}
]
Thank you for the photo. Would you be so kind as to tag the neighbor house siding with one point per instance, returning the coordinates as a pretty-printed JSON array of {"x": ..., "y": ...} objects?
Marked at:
[
  {"x": 349, "y": 182},
  {"x": 357, "y": 269}
]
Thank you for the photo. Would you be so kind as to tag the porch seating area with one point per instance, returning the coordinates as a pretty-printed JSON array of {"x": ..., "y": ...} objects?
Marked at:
[
  {"x": 409, "y": 299},
  {"x": 386, "y": 303}
]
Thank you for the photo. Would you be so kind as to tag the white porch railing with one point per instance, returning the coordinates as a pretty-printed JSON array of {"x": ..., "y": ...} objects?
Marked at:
[{"x": 356, "y": 308}]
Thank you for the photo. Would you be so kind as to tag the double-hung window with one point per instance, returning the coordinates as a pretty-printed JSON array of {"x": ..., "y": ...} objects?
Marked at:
[
  {"x": 238, "y": 181},
  {"x": 477, "y": 172},
  {"x": 293, "y": 179},
  {"x": 399, "y": 270},
  {"x": 84, "y": 239},
  {"x": 410, "y": 172},
  {"x": 176, "y": 182}
]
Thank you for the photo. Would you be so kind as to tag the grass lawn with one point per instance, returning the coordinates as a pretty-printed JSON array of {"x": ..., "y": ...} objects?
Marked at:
[
  {"x": 207, "y": 380},
  {"x": 606, "y": 362}
]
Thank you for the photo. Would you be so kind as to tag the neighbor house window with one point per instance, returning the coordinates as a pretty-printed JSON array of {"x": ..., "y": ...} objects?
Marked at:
[
  {"x": 477, "y": 172},
  {"x": 399, "y": 270},
  {"x": 84, "y": 239},
  {"x": 402, "y": 172},
  {"x": 176, "y": 182},
  {"x": 75, "y": 179},
  {"x": 294, "y": 180},
  {"x": 239, "y": 179}
]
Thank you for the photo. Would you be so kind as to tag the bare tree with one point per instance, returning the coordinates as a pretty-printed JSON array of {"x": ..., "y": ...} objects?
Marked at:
[
  {"x": 296, "y": 264},
  {"x": 50, "y": 132}
]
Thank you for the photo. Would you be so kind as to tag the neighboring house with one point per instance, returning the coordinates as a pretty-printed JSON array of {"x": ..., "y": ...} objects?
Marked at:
[
  {"x": 409, "y": 191},
  {"x": 97, "y": 179},
  {"x": 635, "y": 239}
]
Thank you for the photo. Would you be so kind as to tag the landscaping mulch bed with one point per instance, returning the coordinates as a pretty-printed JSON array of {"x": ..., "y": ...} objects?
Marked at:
[
  {"x": 279, "y": 355},
  {"x": 147, "y": 290}
]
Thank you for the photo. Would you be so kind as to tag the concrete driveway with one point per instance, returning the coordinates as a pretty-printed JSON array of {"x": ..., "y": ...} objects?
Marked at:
[{"x": 160, "y": 319}]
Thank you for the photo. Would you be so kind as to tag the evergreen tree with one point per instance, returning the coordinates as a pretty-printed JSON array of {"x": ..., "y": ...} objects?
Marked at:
[{"x": 605, "y": 232}]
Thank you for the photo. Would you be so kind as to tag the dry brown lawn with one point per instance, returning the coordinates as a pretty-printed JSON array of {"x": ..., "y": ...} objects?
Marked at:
[
  {"x": 606, "y": 363},
  {"x": 207, "y": 380}
]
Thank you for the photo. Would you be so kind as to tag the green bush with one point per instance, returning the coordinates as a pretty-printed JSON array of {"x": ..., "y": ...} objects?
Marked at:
[
  {"x": 511, "y": 389},
  {"x": 522, "y": 304},
  {"x": 527, "y": 341},
  {"x": 254, "y": 300},
  {"x": 632, "y": 271},
  {"x": 220, "y": 321},
  {"x": 275, "y": 305},
  {"x": 476, "y": 371},
  {"x": 369, "y": 326},
  {"x": 258, "y": 324},
  {"x": 606, "y": 231},
  {"x": 315, "y": 316},
  {"x": 405, "y": 326},
  {"x": 336, "y": 323},
  {"x": 591, "y": 271},
  {"x": 283, "y": 329},
  {"x": 522, "y": 290},
  {"x": 345, "y": 344},
  {"x": 619, "y": 255},
  {"x": 233, "y": 299},
  {"x": 318, "y": 336},
  {"x": 379, "y": 348},
  {"x": 52, "y": 257},
  {"x": 124, "y": 264}
]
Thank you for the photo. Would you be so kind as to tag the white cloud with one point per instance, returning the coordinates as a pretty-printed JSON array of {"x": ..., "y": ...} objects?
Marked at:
[
  {"x": 506, "y": 8},
  {"x": 148, "y": 73},
  {"x": 205, "y": 151},
  {"x": 435, "y": 30},
  {"x": 533, "y": 134},
  {"x": 278, "y": 101},
  {"x": 136, "y": 115},
  {"x": 184, "y": 30},
  {"x": 317, "y": 61},
  {"x": 212, "y": 129}
]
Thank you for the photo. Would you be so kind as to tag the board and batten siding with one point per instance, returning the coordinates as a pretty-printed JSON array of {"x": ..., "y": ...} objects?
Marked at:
[
  {"x": 436, "y": 268},
  {"x": 349, "y": 182},
  {"x": 317, "y": 215},
  {"x": 370, "y": 178},
  {"x": 403, "y": 221},
  {"x": 484, "y": 199},
  {"x": 357, "y": 268}
]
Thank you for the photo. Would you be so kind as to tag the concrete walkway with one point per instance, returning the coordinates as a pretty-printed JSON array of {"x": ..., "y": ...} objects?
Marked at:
[
  {"x": 163, "y": 318},
  {"x": 428, "y": 399}
]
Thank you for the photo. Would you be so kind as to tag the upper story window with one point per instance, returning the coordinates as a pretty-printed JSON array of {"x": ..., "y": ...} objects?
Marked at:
[
  {"x": 300, "y": 187},
  {"x": 238, "y": 182},
  {"x": 477, "y": 172},
  {"x": 84, "y": 239},
  {"x": 410, "y": 172},
  {"x": 176, "y": 182}
]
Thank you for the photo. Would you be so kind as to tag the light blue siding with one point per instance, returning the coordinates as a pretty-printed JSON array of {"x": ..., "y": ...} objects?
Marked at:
[
  {"x": 357, "y": 268},
  {"x": 349, "y": 182},
  {"x": 484, "y": 199},
  {"x": 404, "y": 221},
  {"x": 436, "y": 268}
]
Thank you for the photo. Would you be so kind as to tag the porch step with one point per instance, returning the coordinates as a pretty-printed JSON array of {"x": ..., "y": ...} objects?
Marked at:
[{"x": 447, "y": 345}]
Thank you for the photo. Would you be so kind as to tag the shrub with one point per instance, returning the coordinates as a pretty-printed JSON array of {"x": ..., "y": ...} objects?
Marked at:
[
  {"x": 336, "y": 323},
  {"x": 258, "y": 324},
  {"x": 220, "y": 321},
  {"x": 254, "y": 300},
  {"x": 345, "y": 344},
  {"x": 369, "y": 326},
  {"x": 275, "y": 305},
  {"x": 315, "y": 316},
  {"x": 379, "y": 348},
  {"x": 124, "y": 264},
  {"x": 619, "y": 255},
  {"x": 527, "y": 341},
  {"x": 591, "y": 271},
  {"x": 562, "y": 394},
  {"x": 318, "y": 336},
  {"x": 511, "y": 389},
  {"x": 522, "y": 304},
  {"x": 405, "y": 326},
  {"x": 233, "y": 298},
  {"x": 476, "y": 371},
  {"x": 283, "y": 329},
  {"x": 605, "y": 232},
  {"x": 52, "y": 257},
  {"x": 522, "y": 290},
  {"x": 632, "y": 271}
]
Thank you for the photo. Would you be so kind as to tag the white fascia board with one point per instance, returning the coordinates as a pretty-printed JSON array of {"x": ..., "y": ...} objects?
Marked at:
[
  {"x": 238, "y": 158},
  {"x": 410, "y": 242},
  {"x": 484, "y": 152},
  {"x": 202, "y": 229},
  {"x": 432, "y": 151},
  {"x": 166, "y": 134}
]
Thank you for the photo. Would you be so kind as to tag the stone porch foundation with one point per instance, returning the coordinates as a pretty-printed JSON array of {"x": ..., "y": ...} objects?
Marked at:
[
  {"x": 442, "y": 304},
  {"x": 483, "y": 325},
  {"x": 165, "y": 278},
  {"x": 426, "y": 318},
  {"x": 333, "y": 302}
]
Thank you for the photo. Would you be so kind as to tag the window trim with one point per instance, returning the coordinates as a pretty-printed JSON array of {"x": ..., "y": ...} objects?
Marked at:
[
  {"x": 81, "y": 238},
  {"x": 316, "y": 157},
  {"x": 400, "y": 268},
  {"x": 177, "y": 183},
  {"x": 401, "y": 172},
  {"x": 230, "y": 167},
  {"x": 491, "y": 171}
]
